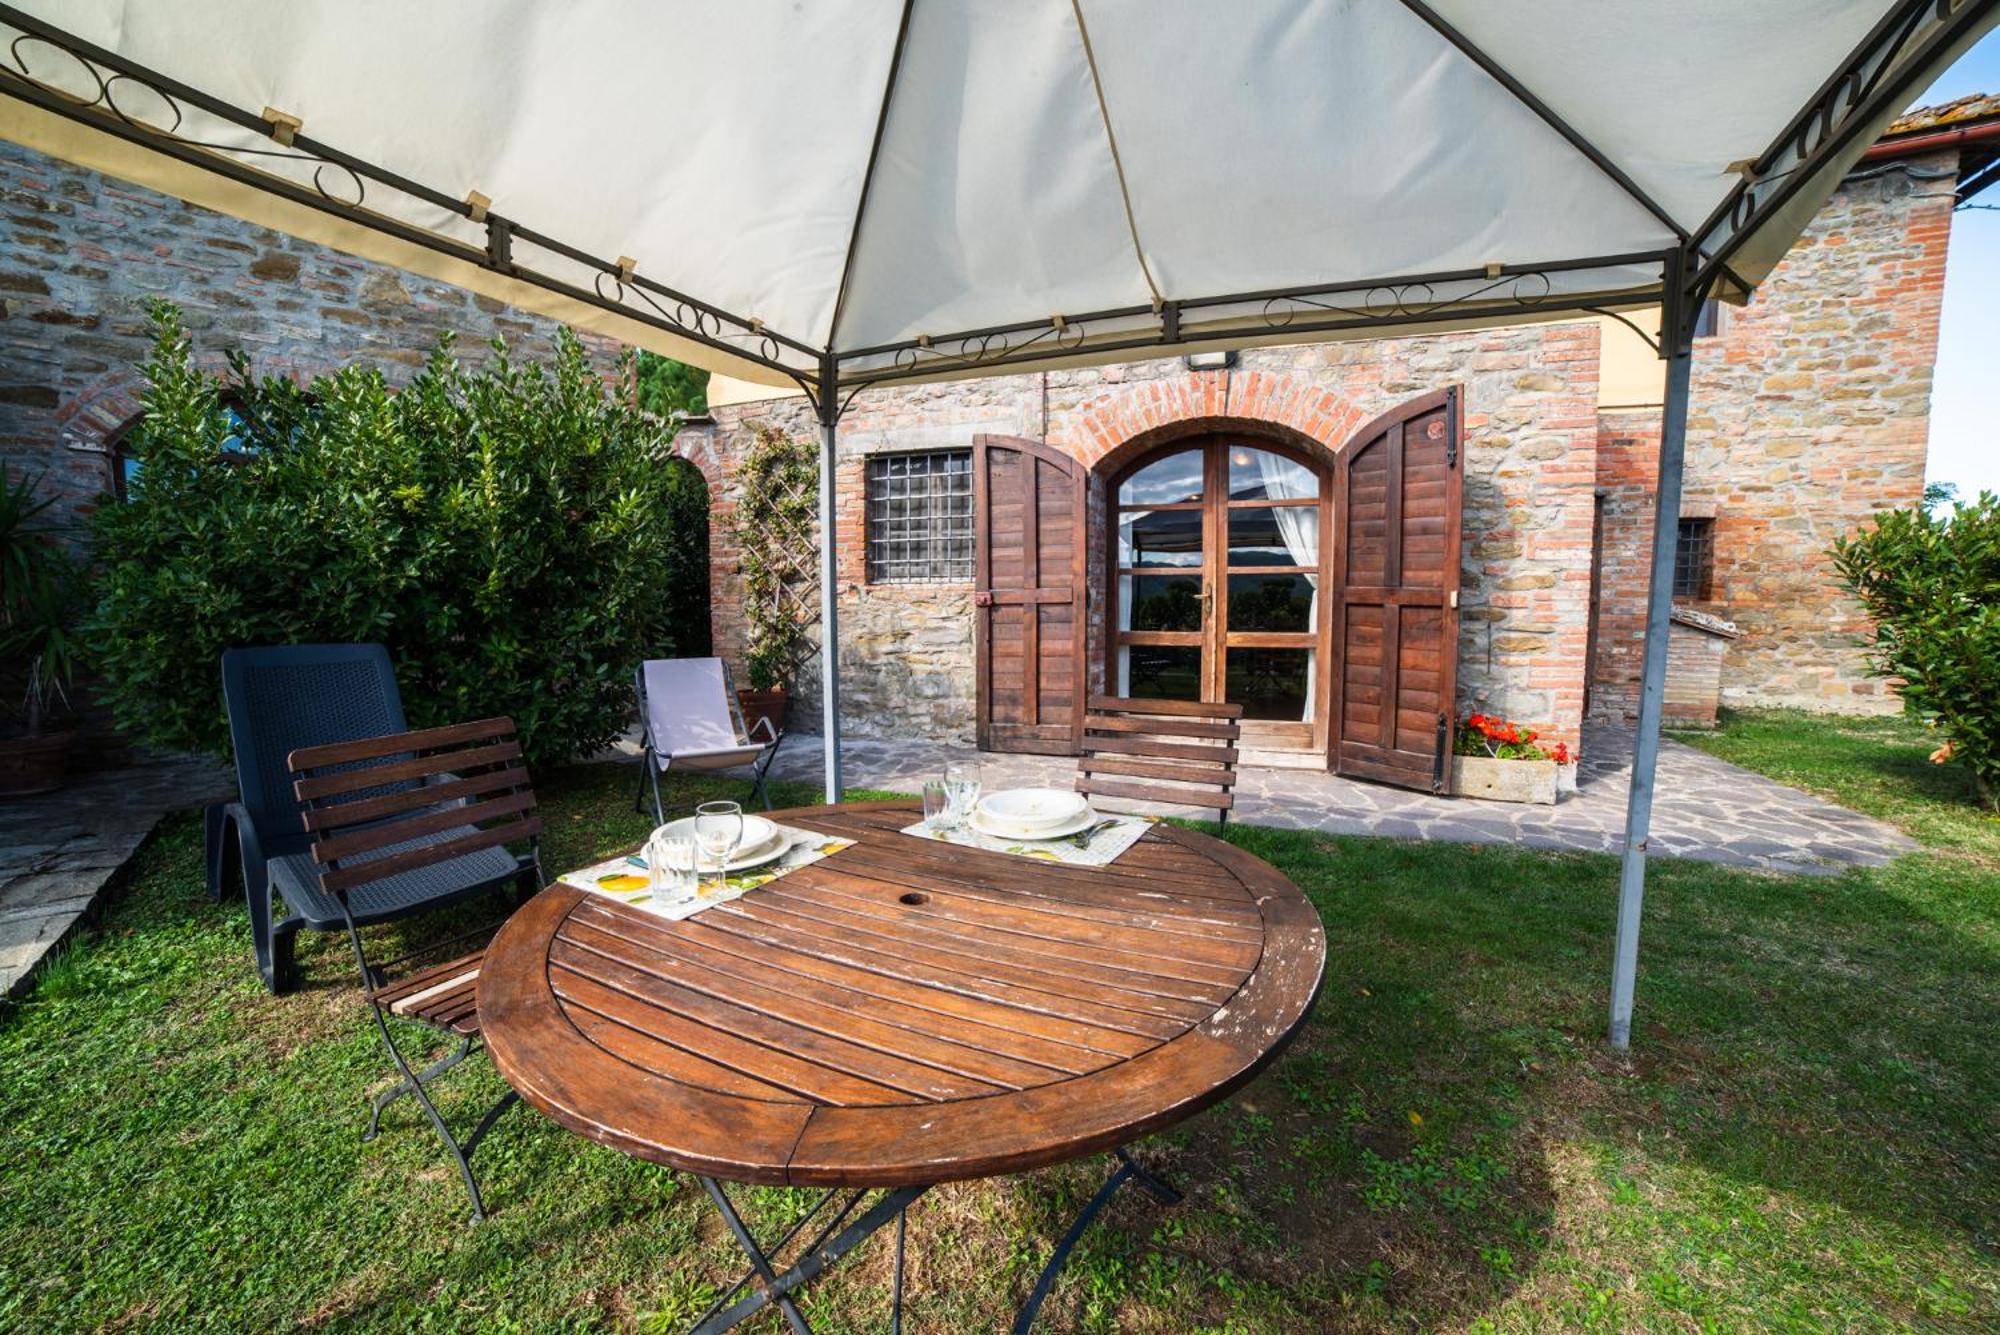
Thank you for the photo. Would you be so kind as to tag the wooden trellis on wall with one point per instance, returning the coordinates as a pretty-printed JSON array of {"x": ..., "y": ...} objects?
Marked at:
[{"x": 777, "y": 528}]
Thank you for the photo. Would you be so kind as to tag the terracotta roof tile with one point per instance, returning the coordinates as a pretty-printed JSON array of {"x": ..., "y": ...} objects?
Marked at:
[{"x": 1946, "y": 115}]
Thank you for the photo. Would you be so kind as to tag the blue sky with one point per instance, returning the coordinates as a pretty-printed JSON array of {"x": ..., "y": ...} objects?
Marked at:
[{"x": 1965, "y": 442}]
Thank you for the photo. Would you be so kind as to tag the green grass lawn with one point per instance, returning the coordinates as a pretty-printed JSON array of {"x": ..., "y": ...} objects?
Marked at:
[{"x": 1804, "y": 1136}]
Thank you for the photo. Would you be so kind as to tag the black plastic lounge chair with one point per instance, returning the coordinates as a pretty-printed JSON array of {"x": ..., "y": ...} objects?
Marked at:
[
  {"x": 280, "y": 698},
  {"x": 417, "y": 818},
  {"x": 692, "y": 721}
]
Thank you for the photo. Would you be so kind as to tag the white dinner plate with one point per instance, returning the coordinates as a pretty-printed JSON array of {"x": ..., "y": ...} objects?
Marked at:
[
  {"x": 762, "y": 841},
  {"x": 1029, "y": 813},
  {"x": 1077, "y": 825}
]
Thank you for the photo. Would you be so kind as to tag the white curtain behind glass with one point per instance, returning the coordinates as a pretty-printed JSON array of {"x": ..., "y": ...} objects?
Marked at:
[
  {"x": 1298, "y": 525},
  {"x": 1298, "y": 529}
]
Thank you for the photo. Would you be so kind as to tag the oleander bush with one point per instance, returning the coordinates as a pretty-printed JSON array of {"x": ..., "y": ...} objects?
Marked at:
[
  {"x": 1930, "y": 578},
  {"x": 512, "y": 532}
]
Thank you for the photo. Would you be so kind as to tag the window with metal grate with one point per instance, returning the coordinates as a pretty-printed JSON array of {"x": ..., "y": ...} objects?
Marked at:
[
  {"x": 1694, "y": 559},
  {"x": 920, "y": 517}
]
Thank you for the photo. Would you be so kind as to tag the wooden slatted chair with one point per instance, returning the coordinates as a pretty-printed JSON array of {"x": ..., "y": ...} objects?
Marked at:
[
  {"x": 423, "y": 816},
  {"x": 1175, "y": 751}
]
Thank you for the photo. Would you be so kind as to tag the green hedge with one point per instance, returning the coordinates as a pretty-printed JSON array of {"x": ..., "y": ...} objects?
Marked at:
[{"x": 513, "y": 533}]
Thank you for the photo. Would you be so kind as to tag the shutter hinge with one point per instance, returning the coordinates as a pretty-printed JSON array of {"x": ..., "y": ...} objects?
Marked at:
[
  {"x": 1443, "y": 751},
  {"x": 1451, "y": 423}
]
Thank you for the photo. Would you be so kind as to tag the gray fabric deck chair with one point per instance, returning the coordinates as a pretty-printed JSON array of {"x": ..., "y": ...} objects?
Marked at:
[{"x": 691, "y": 721}]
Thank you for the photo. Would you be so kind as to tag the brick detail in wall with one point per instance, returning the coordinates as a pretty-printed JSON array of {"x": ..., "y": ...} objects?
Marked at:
[
  {"x": 1810, "y": 412},
  {"x": 1530, "y": 463},
  {"x": 82, "y": 254}
]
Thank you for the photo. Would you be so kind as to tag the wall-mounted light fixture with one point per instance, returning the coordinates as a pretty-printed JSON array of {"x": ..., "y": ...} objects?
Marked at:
[{"x": 1210, "y": 361}]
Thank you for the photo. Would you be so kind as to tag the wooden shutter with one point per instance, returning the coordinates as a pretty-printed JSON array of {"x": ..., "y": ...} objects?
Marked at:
[
  {"x": 1398, "y": 488},
  {"x": 1028, "y": 641}
]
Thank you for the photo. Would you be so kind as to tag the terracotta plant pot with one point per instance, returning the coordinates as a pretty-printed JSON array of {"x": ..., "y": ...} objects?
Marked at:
[
  {"x": 38, "y": 764},
  {"x": 772, "y": 704},
  {"x": 1504, "y": 780}
]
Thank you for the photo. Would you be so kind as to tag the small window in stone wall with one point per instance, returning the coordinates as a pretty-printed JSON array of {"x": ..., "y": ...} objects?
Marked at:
[
  {"x": 1694, "y": 559},
  {"x": 125, "y": 458},
  {"x": 920, "y": 517}
]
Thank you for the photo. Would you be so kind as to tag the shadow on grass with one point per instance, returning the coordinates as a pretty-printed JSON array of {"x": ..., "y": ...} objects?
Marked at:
[{"x": 1828, "y": 1039}]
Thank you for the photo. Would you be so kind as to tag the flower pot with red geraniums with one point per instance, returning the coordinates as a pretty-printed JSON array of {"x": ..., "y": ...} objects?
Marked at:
[
  {"x": 1499, "y": 760},
  {"x": 1565, "y": 757},
  {"x": 38, "y": 592}
]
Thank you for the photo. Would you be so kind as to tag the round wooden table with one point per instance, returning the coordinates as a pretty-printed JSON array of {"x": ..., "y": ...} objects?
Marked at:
[{"x": 904, "y": 1012}]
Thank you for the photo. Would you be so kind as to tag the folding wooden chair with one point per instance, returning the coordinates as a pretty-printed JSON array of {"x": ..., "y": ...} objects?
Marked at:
[
  {"x": 421, "y": 817},
  {"x": 1181, "y": 752}
]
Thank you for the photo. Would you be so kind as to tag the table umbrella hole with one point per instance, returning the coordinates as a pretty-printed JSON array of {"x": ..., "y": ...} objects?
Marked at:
[{"x": 913, "y": 898}]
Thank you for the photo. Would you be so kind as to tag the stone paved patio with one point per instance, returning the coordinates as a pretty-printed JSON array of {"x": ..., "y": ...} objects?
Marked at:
[
  {"x": 1706, "y": 808},
  {"x": 60, "y": 851}
]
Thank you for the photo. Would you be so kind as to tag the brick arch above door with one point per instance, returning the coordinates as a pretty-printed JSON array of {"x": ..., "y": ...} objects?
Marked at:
[{"x": 1126, "y": 422}]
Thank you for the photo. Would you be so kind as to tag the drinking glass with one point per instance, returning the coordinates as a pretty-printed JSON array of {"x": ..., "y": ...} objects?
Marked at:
[
  {"x": 670, "y": 862},
  {"x": 961, "y": 784},
  {"x": 718, "y": 828},
  {"x": 937, "y": 805}
]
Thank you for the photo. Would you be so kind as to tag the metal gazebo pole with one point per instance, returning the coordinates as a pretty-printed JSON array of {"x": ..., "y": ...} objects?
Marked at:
[
  {"x": 1676, "y": 349},
  {"x": 827, "y": 401}
]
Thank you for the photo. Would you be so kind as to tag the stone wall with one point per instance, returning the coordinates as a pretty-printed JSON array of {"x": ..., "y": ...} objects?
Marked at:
[
  {"x": 82, "y": 254},
  {"x": 1530, "y": 463},
  {"x": 1810, "y": 412}
]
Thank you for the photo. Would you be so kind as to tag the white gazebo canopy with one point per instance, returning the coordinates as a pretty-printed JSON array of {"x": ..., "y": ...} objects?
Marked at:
[{"x": 859, "y": 192}]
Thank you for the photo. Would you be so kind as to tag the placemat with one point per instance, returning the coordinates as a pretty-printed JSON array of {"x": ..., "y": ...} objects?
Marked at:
[
  {"x": 1105, "y": 846},
  {"x": 806, "y": 847}
]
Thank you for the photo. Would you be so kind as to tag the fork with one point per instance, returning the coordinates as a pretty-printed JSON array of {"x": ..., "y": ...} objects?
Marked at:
[{"x": 1083, "y": 838}]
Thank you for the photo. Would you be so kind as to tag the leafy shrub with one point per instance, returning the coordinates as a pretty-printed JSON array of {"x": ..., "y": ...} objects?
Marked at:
[
  {"x": 508, "y": 532},
  {"x": 39, "y": 587},
  {"x": 667, "y": 387},
  {"x": 1931, "y": 581}
]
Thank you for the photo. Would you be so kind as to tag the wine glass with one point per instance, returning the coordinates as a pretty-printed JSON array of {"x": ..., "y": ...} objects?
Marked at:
[{"x": 718, "y": 829}]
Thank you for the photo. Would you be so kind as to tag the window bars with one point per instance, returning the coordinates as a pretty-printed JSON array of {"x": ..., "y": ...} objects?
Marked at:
[
  {"x": 1694, "y": 559},
  {"x": 920, "y": 518}
]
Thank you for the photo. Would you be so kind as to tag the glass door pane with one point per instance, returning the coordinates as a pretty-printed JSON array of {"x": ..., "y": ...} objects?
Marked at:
[
  {"x": 1261, "y": 475},
  {"x": 1160, "y": 671},
  {"x": 1274, "y": 684},
  {"x": 1274, "y": 535},
  {"x": 1273, "y": 603}
]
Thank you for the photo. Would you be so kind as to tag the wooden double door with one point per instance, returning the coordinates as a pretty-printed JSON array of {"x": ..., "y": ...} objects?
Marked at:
[
  {"x": 1220, "y": 545},
  {"x": 1319, "y": 592}
]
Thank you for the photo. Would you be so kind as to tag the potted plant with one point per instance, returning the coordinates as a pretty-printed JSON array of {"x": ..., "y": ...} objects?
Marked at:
[
  {"x": 1565, "y": 757},
  {"x": 774, "y": 523},
  {"x": 1499, "y": 759},
  {"x": 37, "y": 588},
  {"x": 768, "y": 697}
]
